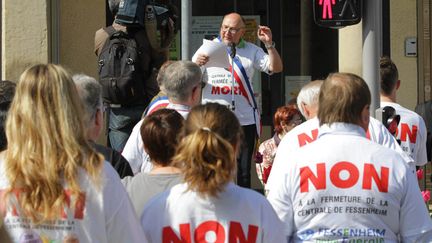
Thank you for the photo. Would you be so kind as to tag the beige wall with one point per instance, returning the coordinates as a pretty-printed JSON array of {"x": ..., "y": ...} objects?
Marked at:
[
  {"x": 403, "y": 18},
  {"x": 403, "y": 24},
  {"x": 350, "y": 49},
  {"x": 79, "y": 19},
  {"x": 24, "y": 39}
]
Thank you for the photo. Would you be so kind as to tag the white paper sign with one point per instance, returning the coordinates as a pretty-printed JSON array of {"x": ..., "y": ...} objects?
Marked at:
[{"x": 217, "y": 53}]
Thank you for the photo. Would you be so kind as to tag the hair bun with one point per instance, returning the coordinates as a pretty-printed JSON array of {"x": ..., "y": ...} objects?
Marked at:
[{"x": 206, "y": 129}]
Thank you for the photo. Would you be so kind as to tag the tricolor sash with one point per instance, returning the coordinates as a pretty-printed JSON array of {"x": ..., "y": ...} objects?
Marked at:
[
  {"x": 157, "y": 103},
  {"x": 245, "y": 87}
]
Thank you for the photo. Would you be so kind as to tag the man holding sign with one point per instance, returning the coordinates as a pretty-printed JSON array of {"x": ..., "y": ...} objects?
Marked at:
[{"x": 238, "y": 94}]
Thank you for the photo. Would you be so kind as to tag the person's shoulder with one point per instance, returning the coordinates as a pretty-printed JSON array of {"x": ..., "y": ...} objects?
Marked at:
[
  {"x": 245, "y": 193},
  {"x": 308, "y": 127},
  {"x": 405, "y": 113},
  {"x": 105, "y": 151},
  {"x": 376, "y": 125},
  {"x": 100, "y": 31},
  {"x": 3, "y": 178},
  {"x": 163, "y": 198},
  {"x": 102, "y": 34},
  {"x": 108, "y": 172},
  {"x": 380, "y": 153},
  {"x": 267, "y": 142},
  {"x": 412, "y": 115},
  {"x": 401, "y": 109},
  {"x": 119, "y": 27},
  {"x": 251, "y": 46}
]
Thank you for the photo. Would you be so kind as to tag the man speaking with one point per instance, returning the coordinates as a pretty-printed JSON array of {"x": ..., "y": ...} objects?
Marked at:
[{"x": 247, "y": 58}]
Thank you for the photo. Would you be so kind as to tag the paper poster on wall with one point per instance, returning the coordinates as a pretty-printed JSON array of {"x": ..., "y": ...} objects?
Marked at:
[
  {"x": 207, "y": 27},
  {"x": 293, "y": 85}
]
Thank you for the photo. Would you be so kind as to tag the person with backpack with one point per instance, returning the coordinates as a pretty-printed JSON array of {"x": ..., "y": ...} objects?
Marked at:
[{"x": 128, "y": 60}]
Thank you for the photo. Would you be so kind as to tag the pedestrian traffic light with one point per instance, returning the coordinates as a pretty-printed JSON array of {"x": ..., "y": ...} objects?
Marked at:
[{"x": 337, "y": 13}]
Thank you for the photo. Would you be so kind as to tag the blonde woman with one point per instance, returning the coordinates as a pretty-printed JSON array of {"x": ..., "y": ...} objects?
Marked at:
[
  {"x": 208, "y": 206},
  {"x": 54, "y": 186}
]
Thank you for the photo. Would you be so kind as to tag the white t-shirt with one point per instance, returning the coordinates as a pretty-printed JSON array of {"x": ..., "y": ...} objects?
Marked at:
[
  {"x": 219, "y": 81},
  {"x": 308, "y": 132},
  {"x": 345, "y": 187},
  {"x": 134, "y": 149},
  {"x": 411, "y": 132},
  {"x": 102, "y": 215},
  {"x": 236, "y": 215}
]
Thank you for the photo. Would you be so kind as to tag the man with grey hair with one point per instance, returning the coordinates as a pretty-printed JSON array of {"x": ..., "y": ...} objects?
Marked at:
[
  {"x": 343, "y": 187},
  {"x": 307, "y": 99},
  {"x": 307, "y": 132},
  {"x": 90, "y": 92},
  {"x": 182, "y": 83}
]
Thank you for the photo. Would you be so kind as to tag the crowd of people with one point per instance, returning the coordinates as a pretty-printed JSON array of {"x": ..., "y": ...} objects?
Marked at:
[{"x": 183, "y": 174}]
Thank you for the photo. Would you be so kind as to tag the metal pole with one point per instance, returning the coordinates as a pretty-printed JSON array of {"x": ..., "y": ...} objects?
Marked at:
[
  {"x": 372, "y": 49},
  {"x": 1, "y": 39},
  {"x": 186, "y": 26}
]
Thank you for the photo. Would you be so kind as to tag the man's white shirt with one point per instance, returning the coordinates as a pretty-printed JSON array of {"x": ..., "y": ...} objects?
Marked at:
[
  {"x": 219, "y": 81},
  {"x": 411, "y": 132},
  {"x": 345, "y": 187},
  {"x": 134, "y": 149},
  {"x": 308, "y": 132}
]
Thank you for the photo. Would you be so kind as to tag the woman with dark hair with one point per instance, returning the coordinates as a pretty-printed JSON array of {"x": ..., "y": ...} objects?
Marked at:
[
  {"x": 208, "y": 206},
  {"x": 285, "y": 119},
  {"x": 160, "y": 133}
]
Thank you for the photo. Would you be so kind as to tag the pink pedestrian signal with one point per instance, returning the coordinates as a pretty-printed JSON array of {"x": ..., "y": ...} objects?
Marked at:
[
  {"x": 337, "y": 13},
  {"x": 327, "y": 8}
]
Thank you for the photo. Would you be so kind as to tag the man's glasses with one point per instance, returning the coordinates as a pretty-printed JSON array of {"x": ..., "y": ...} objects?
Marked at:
[
  {"x": 230, "y": 29},
  {"x": 295, "y": 122},
  {"x": 203, "y": 84}
]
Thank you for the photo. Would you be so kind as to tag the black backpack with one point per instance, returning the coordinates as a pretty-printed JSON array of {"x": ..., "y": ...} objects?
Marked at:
[{"x": 120, "y": 72}]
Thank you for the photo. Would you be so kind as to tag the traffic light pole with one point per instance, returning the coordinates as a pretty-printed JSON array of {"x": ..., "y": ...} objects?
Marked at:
[
  {"x": 186, "y": 28},
  {"x": 372, "y": 49}
]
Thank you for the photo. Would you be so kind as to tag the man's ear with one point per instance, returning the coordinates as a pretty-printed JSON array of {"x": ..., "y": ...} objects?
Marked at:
[
  {"x": 364, "y": 117},
  {"x": 99, "y": 118},
  {"x": 305, "y": 110},
  {"x": 398, "y": 84}
]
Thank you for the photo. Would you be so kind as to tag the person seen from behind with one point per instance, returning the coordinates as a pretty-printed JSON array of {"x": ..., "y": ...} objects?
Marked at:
[
  {"x": 412, "y": 131},
  {"x": 54, "y": 186},
  {"x": 182, "y": 82},
  {"x": 7, "y": 92},
  {"x": 161, "y": 133},
  {"x": 284, "y": 120},
  {"x": 344, "y": 182},
  {"x": 90, "y": 93},
  {"x": 208, "y": 206}
]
